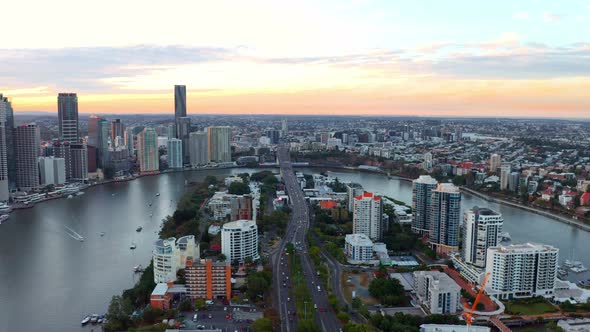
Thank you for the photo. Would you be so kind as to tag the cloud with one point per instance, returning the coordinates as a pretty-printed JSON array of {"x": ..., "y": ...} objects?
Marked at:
[{"x": 552, "y": 17}]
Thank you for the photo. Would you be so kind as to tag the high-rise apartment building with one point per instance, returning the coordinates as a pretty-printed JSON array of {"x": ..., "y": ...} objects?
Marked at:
[
  {"x": 67, "y": 112},
  {"x": 504, "y": 176},
  {"x": 438, "y": 292},
  {"x": 147, "y": 151},
  {"x": 495, "y": 162},
  {"x": 521, "y": 270},
  {"x": 170, "y": 255},
  {"x": 481, "y": 230},
  {"x": 129, "y": 141},
  {"x": 219, "y": 144},
  {"x": 174, "y": 153},
  {"x": 368, "y": 215},
  {"x": 52, "y": 171},
  {"x": 179, "y": 101},
  {"x": 98, "y": 137},
  {"x": 117, "y": 130},
  {"x": 353, "y": 190},
  {"x": 445, "y": 211},
  {"x": 358, "y": 247},
  {"x": 62, "y": 150},
  {"x": 27, "y": 145},
  {"x": 183, "y": 128},
  {"x": 239, "y": 241},
  {"x": 198, "y": 148},
  {"x": 4, "y": 180},
  {"x": 208, "y": 280},
  {"x": 421, "y": 196},
  {"x": 8, "y": 115},
  {"x": 79, "y": 162}
]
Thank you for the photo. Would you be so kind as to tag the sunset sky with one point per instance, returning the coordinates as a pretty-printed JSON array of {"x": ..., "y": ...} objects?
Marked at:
[{"x": 425, "y": 58}]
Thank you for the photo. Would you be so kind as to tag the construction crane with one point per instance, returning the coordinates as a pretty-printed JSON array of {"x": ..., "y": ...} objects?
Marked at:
[{"x": 468, "y": 315}]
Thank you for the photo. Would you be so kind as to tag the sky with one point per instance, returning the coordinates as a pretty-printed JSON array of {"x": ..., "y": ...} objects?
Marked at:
[{"x": 526, "y": 58}]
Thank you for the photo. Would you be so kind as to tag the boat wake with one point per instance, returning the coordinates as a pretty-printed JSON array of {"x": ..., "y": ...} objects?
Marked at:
[{"x": 73, "y": 234}]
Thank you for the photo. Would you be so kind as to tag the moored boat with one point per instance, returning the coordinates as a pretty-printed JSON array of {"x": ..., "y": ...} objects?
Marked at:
[
  {"x": 3, "y": 218},
  {"x": 85, "y": 320}
]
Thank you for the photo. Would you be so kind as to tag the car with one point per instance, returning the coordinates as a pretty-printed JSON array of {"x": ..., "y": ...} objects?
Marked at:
[
  {"x": 195, "y": 317},
  {"x": 224, "y": 308},
  {"x": 210, "y": 316}
]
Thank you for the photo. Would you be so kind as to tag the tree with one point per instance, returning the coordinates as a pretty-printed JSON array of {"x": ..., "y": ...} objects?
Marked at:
[
  {"x": 389, "y": 291},
  {"x": 150, "y": 315},
  {"x": 307, "y": 325},
  {"x": 262, "y": 325},
  {"x": 256, "y": 284},
  {"x": 185, "y": 305},
  {"x": 238, "y": 188},
  {"x": 109, "y": 172},
  {"x": 118, "y": 314},
  {"x": 211, "y": 180},
  {"x": 200, "y": 304}
]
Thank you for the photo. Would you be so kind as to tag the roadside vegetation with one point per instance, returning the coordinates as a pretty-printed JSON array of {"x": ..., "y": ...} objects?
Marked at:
[{"x": 532, "y": 306}]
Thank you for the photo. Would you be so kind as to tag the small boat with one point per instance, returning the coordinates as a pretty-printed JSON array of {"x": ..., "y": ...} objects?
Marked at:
[
  {"x": 3, "y": 218},
  {"x": 94, "y": 318},
  {"x": 79, "y": 193},
  {"x": 561, "y": 273},
  {"x": 150, "y": 204},
  {"x": 113, "y": 195},
  {"x": 138, "y": 229},
  {"x": 133, "y": 246},
  {"x": 85, "y": 320},
  {"x": 5, "y": 208},
  {"x": 158, "y": 194},
  {"x": 102, "y": 233},
  {"x": 505, "y": 237},
  {"x": 138, "y": 268}
]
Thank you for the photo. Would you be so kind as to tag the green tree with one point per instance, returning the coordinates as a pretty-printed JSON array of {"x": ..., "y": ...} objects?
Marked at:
[
  {"x": 185, "y": 305},
  {"x": 256, "y": 284},
  {"x": 307, "y": 325},
  {"x": 239, "y": 188},
  {"x": 150, "y": 315},
  {"x": 109, "y": 172},
  {"x": 262, "y": 325},
  {"x": 118, "y": 314},
  {"x": 200, "y": 304},
  {"x": 211, "y": 180}
]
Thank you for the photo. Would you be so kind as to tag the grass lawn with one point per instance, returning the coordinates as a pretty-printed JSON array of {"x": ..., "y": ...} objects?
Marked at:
[{"x": 538, "y": 307}]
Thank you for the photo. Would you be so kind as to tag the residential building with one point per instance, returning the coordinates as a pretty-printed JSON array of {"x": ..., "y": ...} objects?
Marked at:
[
  {"x": 129, "y": 141},
  {"x": 52, "y": 171},
  {"x": 482, "y": 229},
  {"x": 358, "y": 247},
  {"x": 219, "y": 144},
  {"x": 438, "y": 292},
  {"x": 421, "y": 195},
  {"x": 209, "y": 280},
  {"x": 98, "y": 137},
  {"x": 504, "y": 176},
  {"x": 67, "y": 113},
  {"x": 62, "y": 150},
  {"x": 8, "y": 117},
  {"x": 179, "y": 101},
  {"x": 175, "y": 153},
  {"x": 4, "y": 180},
  {"x": 274, "y": 136},
  {"x": 284, "y": 128},
  {"x": 353, "y": 190},
  {"x": 368, "y": 215},
  {"x": 445, "y": 211},
  {"x": 495, "y": 162},
  {"x": 521, "y": 270},
  {"x": 170, "y": 255},
  {"x": 79, "y": 162},
  {"x": 117, "y": 130},
  {"x": 147, "y": 151},
  {"x": 239, "y": 241},
  {"x": 27, "y": 145},
  {"x": 198, "y": 148}
]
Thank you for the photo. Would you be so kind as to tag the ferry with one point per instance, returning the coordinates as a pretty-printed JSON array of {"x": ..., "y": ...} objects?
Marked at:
[
  {"x": 5, "y": 208},
  {"x": 3, "y": 218}
]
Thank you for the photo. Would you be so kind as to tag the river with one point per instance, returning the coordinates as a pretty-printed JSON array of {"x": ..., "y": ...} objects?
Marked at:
[{"x": 49, "y": 280}]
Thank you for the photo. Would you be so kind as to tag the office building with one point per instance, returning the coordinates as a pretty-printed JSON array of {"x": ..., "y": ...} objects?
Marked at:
[
  {"x": 198, "y": 148},
  {"x": 421, "y": 195},
  {"x": 521, "y": 270},
  {"x": 495, "y": 162},
  {"x": 445, "y": 211},
  {"x": 219, "y": 144},
  {"x": 62, "y": 150},
  {"x": 438, "y": 292},
  {"x": 183, "y": 128},
  {"x": 98, "y": 137},
  {"x": 514, "y": 181},
  {"x": 147, "y": 151},
  {"x": 208, "y": 280},
  {"x": 504, "y": 175},
  {"x": 52, "y": 171},
  {"x": 171, "y": 255},
  {"x": 358, "y": 247},
  {"x": 171, "y": 131},
  {"x": 4, "y": 180},
  {"x": 174, "y": 153},
  {"x": 353, "y": 190},
  {"x": 239, "y": 241},
  {"x": 67, "y": 112},
  {"x": 482, "y": 229},
  {"x": 179, "y": 101},
  {"x": 8, "y": 120},
  {"x": 368, "y": 215},
  {"x": 78, "y": 162},
  {"x": 27, "y": 140},
  {"x": 117, "y": 130},
  {"x": 129, "y": 141}
]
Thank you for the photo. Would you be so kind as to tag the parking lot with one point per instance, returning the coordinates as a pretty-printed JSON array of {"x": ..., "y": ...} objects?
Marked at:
[{"x": 226, "y": 318}]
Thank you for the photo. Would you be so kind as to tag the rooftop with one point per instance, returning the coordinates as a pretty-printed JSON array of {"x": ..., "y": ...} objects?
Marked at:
[{"x": 359, "y": 240}]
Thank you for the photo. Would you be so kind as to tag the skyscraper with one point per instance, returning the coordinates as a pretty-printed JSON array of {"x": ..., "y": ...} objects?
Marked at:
[
  {"x": 285, "y": 128},
  {"x": 117, "y": 130},
  {"x": 504, "y": 175},
  {"x": 129, "y": 141},
  {"x": 198, "y": 146},
  {"x": 62, "y": 150},
  {"x": 179, "y": 101},
  {"x": 175, "y": 153},
  {"x": 353, "y": 190},
  {"x": 183, "y": 128},
  {"x": 147, "y": 151},
  {"x": 79, "y": 162},
  {"x": 4, "y": 182},
  {"x": 9, "y": 138},
  {"x": 67, "y": 112},
  {"x": 219, "y": 144},
  {"x": 368, "y": 215},
  {"x": 495, "y": 161},
  {"x": 481, "y": 230},
  {"x": 445, "y": 211},
  {"x": 421, "y": 195},
  {"x": 27, "y": 141}
]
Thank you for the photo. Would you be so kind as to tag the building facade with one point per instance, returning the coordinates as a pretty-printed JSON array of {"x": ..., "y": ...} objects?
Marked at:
[
  {"x": 52, "y": 171},
  {"x": 445, "y": 211},
  {"x": 219, "y": 144},
  {"x": 170, "y": 255},
  {"x": 239, "y": 241},
  {"x": 179, "y": 101},
  {"x": 79, "y": 162},
  {"x": 495, "y": 162},
  {"x": 147, "y": 151},
  {"x": 4, "y": 181},
  {"x": 198, "y": 148},
  {"x": 358, "y": 247},
  {"x": 117, "y": 130},
  {"x": 521, "y": 270},
  {"x": 421, "y": 195},
  {"x": 368, "y": 215},
  {"x": 175, "y": 156},
  {"x": 183, "y": 129},
  {"x": 8, "y": 116},
  {"x": 482, "y": 229},
  {"x": 27, "y": 145},
  {"x": 352, "y": 190},
  {"x": 67, "y": 113},
  {"x": 208, "y": 280},
  {"x": 438, "y": 292}
]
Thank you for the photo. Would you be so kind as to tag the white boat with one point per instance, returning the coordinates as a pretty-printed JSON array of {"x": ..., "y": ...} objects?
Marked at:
[
  {"x": 102, "y": 233},
  {"x": 85, "y": 320},
  {"x": 3, "y": 218},
  {"x": 133, "y": 246},
  {"x": 138, "y": 268},
  {"x": 5, "y": 208},
  {"x": 94, "y": 319},
  {"x": 505, "y": 236},
  {"x": 79, "y": 193},
  {"x": 70, "y": 196},
  {"x": 158, "y": 194}
]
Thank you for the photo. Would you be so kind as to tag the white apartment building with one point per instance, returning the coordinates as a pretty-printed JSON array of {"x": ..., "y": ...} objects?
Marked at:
[
  {"x": 52, "y": 170},
  {"x": 175, "y": 153},
  {"x": 421, "y": 196},
  {"x": 368, "y": 215},
  {"x": 352, "y": 190},
  {"x": 481, "y": 230},
  {"x": 504, "y": 176},
  {"x": 239, "y": 240},
  {"x": 358, "y": 247},
  {"x": 219, "y": 138},
  {"x": 171, "y": 255},
  {"x": 521, "y": 270},
  {"x": 437, "y": 291}
]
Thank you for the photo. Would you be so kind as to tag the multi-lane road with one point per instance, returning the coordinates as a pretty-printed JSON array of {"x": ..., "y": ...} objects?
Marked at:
[{"x": 282, "y": 280}]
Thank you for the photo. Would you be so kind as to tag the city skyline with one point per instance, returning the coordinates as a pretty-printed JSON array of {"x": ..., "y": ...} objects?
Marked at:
[{"x": 525, "y": 59}]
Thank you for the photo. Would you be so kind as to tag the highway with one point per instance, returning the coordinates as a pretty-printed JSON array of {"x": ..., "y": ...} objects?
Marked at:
[{"x": 296, "y": 234}]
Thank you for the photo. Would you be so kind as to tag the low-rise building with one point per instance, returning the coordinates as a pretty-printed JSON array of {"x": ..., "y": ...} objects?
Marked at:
[
  {"x": 358, "y": 247},
  {"x": 437, "y": 291},
  {"x": 208, "y": 280}
]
